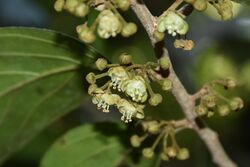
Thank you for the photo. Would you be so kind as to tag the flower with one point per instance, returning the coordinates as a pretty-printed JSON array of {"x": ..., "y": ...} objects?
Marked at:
[
  {"x": 129, "y": 110},
  {"x": 173, "y": 23},
  {"x": 117, "y": 75},
  {"x": 136, "y": 89},
  {"x": 109, "y": 24},
  {"x": 85, "y": 33},
  {"x": 104, "y": 100}
]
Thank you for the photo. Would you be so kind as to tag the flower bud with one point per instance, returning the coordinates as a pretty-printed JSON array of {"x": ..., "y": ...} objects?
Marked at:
[
  {"x": 129, "y": 29},
  {"x": 101, "y": 64},
  {"x": 159, "y": 36},
  {"x": 230, "y": 83},
  {"x": 223, "y": 110},
  {"x": 236, "y": 103},
  {"x": 123, "y": 4},
  {"x": 85, "y": 33},
  {"x": 148, "y": 152},
  {"x": 201, "y": 110},
  {"x": 135, "y": 141},
  {"x": 200, "y": 5},
  {"x": 164, "y": 156},
  {"x": 91, "y": 78},
  {"x": 164, "y": 63},
  {"x": 70, "y": 5},
  {"x": 210, "y": 114},
  {"x": 81, "y": 10},
  {"x": 153, "y": 127},
  {"x": 59, "y": 4},
  {"x": 125, "y": 59},
  {"x": 155, "y": 99},
  {"x": 167, "y": 84},
  {"x": 209, "y": 101},
  {"x": 183, "y": 154},
  {"x": 171, "y": 152},
  {"x": 92, "y": 88}
]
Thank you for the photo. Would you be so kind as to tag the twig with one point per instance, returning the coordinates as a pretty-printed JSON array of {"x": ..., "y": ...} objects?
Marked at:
[{"x": 185, "y": 100}]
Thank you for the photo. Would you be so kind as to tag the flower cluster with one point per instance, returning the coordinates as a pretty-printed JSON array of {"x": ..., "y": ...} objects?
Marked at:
[
  {"x": 108, "y": 23},
  {"x": 164, "y": 134},
  {"x": 224, "y": 7},
  {"x": 212, "y": 100},
  {"x": 128, "y": 86}
]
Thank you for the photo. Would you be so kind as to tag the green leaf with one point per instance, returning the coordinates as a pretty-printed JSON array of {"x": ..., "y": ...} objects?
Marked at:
[
  {"x": 88, "y": 146},
  {"x": 247, "y": 2},
  {"x": 41, "y": 78}
]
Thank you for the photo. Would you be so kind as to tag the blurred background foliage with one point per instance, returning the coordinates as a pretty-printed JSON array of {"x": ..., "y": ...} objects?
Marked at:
[{"x": 221, "y": 50}]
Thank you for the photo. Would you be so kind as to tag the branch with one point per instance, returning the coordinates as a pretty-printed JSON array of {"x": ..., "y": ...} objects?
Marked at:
[{"x": 185, "y": 100}]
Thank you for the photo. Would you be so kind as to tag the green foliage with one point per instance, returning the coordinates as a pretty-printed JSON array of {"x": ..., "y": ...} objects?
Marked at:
[
  {"x": 247, "y": 2},
  {"x": 41, "y": 79},
  {"x": 88, "y": 145}
]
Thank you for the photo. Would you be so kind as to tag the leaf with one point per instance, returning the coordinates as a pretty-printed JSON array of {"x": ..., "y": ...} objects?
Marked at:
[
  {"x": 247, "y": 2},
  {"x": 87, "y": 146},
  {"x": 41, "y": 78}
]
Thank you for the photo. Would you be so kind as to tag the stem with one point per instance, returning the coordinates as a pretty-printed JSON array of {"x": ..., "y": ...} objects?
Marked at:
[
  {"x": 185, "y": 100},
  {"x": 175, "y": 5},
  {"x": 159, "y": 137}
]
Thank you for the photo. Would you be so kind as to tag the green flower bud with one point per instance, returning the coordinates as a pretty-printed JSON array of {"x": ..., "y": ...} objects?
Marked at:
[
  {"x": 129, "y": 29},
  {"x": 153, "y": 127},
  {"x": 123, "y": 4},
  {"x": 164, "y": 156},
  {"x": 236, "y": 103},
  {"x": 125, "y": 59},
  {"x": 183, "y": 154},
  {"x": 223, "y": 110},
  {"x": 164, "y": 63},
  {"x": 155, "y": 99},
  {"x": 92, "y": 88},
  {"x": 230, "y": 83},
  {"x": 70, "y": 5},
  {"x": 59, "y": 4},
  {"x": 209, "y": 101},
  {"x": 167, "y": 84},
  {"x": 225, "y": 9},
  {"x": 159, "y": 36},
  {"x": 210, "y": 114},
  {"x": 200, "y": 5},
  {"x": 171, "y": 152},
  {"x": 101, "y": 64},
  {"x": 135, "y": 141},
  {"x": 85, "y": 33},
  {"x": 81, "y": 10},
  {"x": 201, "y": 110},
  {"x": 148, "y": 152},
  {"x": 91, "y": 78}
]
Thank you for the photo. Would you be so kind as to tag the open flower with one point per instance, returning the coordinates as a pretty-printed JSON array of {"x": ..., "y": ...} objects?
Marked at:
[
  {"x": 117, "y": 75},
  {"x": 136, "y": 89},
  {"x": 173, "y": 23},
  {"x": 104, "y": 100},
  {"x": 130, "y": 110},
  {"x": 109, "y": 24}
]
